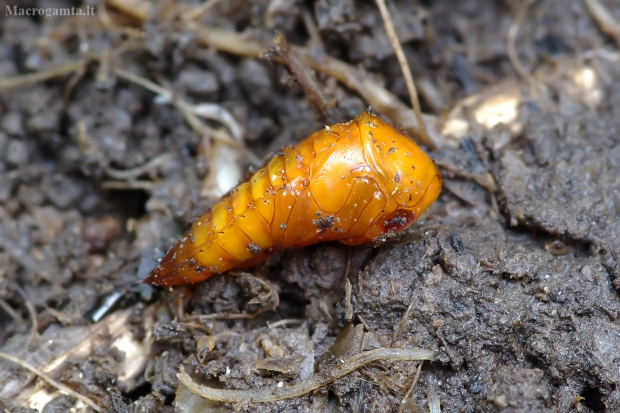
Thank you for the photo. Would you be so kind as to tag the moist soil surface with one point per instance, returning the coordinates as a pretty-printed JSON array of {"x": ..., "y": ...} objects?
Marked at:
[{"x": 511, "y": 278}]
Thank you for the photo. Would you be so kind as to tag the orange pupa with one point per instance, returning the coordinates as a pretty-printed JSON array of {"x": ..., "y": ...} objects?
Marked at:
[{"x": 353, "y": 182}]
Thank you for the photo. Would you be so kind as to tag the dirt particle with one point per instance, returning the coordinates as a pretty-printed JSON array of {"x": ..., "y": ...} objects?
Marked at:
[
  {"x": 323, "y": 223},
  {"x": 254, "y": 249}
]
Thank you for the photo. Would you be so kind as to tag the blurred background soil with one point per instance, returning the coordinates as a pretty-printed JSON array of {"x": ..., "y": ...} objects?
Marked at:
[{"x": 119, "y": 128}]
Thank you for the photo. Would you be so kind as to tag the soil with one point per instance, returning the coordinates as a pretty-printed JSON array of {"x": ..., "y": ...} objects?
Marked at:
[{"x": 511, "y": 278}]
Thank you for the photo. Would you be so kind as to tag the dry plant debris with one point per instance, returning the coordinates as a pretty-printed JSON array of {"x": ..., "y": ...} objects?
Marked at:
[
  {"x": 343, "y": 366},
  {"x": 111, "y": 128}
]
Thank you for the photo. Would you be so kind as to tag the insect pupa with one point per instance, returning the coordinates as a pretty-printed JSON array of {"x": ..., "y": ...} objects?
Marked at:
[{"x": 353, "y": 182}]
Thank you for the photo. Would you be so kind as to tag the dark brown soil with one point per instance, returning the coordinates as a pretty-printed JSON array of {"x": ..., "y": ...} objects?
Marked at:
[{"x": 512, "y": 277}]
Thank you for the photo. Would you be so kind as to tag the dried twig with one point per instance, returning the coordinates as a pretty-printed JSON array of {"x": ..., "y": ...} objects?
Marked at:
[
  {"x": 224, "y": 172},
  {"x": 133, "y": 173},
  {"x": 192, "y": 112},
  {"x": 315, "y": 43},
  {"x": 128, "y": 185},
  {"x": 41, "y": 76},
  {"x": 434, "y": 403},
  {"x": 52, "y": 382},
  {"x": 279, "y": 47},
  {"x": 34, "y": 323},
  {"x": 285, "y": 322},
  {"x": 380, "y": 99},
  {"x": 344, "y": 366},
  {"x": 111, "y": 26},
  {"x": 608, "y": 24},
  {"x": 404, "y": 318},
  {"x": 12, "y": 313},
  {"x": 410, "y": 390},
  {"x": 348, "y": 306},
  {"x": 137, "y": 9},
  {"x": 199, "y": 10},
  {"x": 219, "y": 113},
  {"x": 70, "y": 85},
  {"x": 404, "y": 66},
  {"x": 486, "y": 181},
  {"x": 512, "y": 40}
]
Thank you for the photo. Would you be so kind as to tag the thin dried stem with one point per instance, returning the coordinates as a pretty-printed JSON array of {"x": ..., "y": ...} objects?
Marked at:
[
  {"x": 51, "y": 381},
  {"x": 232, "y": 316},
  {"x": 200, "y": 10},
  {"x": 137, "y": 9},
  {"x": 344, "y": 366},
  {"x": 403, "y": 402},
  {"x": 41, "y": 76},
  {"x": 133, "y": 173},
  {"x": 12, "y": 313},
  {"x": 606, "y": 21},
  {"x": 145, "y": 83},
  {"x": 313, "y": 32},
  {"x": 128, "y": 185},
  {"x": 434, "y": 403},
  {"x": 32, "y": 312},
  {"x": 380, "y": 99},
  {"x": 512, "y": 40},
  {"x": 192, "y": 112},
  {"x": 108, "y": 23},
  {"x": 285, "y": 322},
  {"x": 404, "y": 66},
  {"x": 279, "y": 47}
]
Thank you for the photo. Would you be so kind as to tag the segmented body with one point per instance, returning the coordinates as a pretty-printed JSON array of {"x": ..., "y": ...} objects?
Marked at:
[{"x": 353, "y": 182}]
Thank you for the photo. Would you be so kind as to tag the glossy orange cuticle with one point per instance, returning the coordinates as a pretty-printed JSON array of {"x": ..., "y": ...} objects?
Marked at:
[{"x": 353, "y": 182}]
